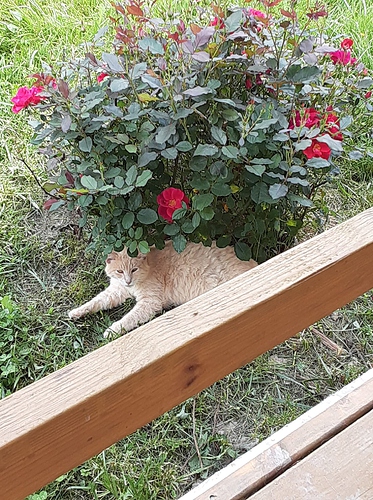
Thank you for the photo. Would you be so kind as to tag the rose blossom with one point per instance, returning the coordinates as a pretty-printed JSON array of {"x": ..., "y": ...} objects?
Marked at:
[
  {"x": 310, "y": 117},
  {"x": 217, "y": 21},
  {"x": 347, "y": 43},
  {"x": 342, "y": 57},
  {"x": 332, "y": 126},
  {"x": 257, "y": 13},
  {"x": 26, "y": 97},
  {"x": 169, "y": 200},
  {"x": 317, "y": 150},
  {"x": 368, "y": 94},
  {"x": 101, "y": 77}
]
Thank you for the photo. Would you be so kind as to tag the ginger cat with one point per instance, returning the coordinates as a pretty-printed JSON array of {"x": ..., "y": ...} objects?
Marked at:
[{"x": 161, "y": 279}]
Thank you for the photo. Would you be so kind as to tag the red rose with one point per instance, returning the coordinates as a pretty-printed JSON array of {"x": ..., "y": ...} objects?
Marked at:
[
  {"x": 347, "y": 43},
  {"x": 309, "y": 117},
  {"x": 101, "y": 77},
  {"x": 217, "y": 21},
  {"x": 317, "y": 150},
  {"x": 170, "y": 200},
  {"x": 248, "y": 83},
  {"x": 332, "y": 126},
  {"x": 368, "y": 94},
  {"x": 26, "y": 97},
  {"x": 342, "y": 57}
]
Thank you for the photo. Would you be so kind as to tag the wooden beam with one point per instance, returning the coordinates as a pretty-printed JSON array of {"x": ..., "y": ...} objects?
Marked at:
[
  {"x": 340, "y": 468},
  {"x": 58, "y": 422},
  {"x": 262, "y": 464}
]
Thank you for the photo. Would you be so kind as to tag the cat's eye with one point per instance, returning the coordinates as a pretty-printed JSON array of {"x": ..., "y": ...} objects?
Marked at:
[
  {"x": 120, "y": 271},
  {"x": 135, "y": 269}
]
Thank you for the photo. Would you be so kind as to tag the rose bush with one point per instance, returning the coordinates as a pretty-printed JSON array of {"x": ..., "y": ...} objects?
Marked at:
[{"x": 222, "y": 129}]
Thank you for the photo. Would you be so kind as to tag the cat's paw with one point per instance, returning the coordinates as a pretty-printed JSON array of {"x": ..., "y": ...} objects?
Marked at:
[
  {"x": 115, "y": 329},
  {"x": 77, "y": 313}
]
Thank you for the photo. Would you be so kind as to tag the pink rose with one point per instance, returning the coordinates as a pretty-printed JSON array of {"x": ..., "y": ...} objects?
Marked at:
[
  {"x": 26, "y": 97},
  {"x": 342, "y": 57},
  {"x": 169, "y": 200},
  {"x": 258, "y": 14},
  {"x": 218, "y": 22}
]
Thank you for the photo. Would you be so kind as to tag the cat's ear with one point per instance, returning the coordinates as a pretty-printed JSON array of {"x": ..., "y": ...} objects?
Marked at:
[
  {"x": 112, "y": 256},
  {"x": 142, "y": 256}
]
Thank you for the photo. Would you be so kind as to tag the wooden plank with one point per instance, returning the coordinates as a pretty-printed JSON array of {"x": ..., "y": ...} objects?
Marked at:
[
  {"x": 342, "y": 468},
  {"x": 58, "y": 422},
  {"x": 250, "y": 472}
]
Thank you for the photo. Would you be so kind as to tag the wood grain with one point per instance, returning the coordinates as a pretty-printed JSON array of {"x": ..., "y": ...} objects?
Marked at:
[
  {"x": 254, "y": 469},
  {"x": 58, "y": 422},
  {"x": 340, "y": 469}
]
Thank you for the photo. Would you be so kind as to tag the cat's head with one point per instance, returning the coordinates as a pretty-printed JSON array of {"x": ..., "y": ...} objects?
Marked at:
[{"x": 129, "y": 270}]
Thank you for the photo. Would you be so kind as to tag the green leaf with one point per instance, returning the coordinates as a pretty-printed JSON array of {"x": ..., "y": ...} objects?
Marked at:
[
  {"x": 89, "y": 182},
  {"x": 199, "y": 183},
  {"x": 196, "y": 220},
  {"x": 184, "y": 146},
  {"x": 83, "y": 201},
  {"x": 219, "y": 168},
  {"x": 169, "y": 153},
  {"x": 256, "y": 169},
  {"x": 205, "y": 150},
  {"x": 233, "y": 22},
  {"x": 131, "y": 175},
  {"x": 128, "y": 220},
  {"x": 242, "y": 250},
  {"x": 223, "y": 241},
  {"x": 317, "y": 163},
  {"x": 230, "y": 115},
  {"x": 219, "y": 135},
  {"x": 171, "y": 229},
  {"x": 138, "y": 233},
  {"x": 264, "y": 124},
  {"x": 200, "y": 201},
  {"x": 259, "y": 193},
  {"x": 207, "y": 213},
  {"x": 306, "y": 74},
  {"x": 278, "y": 191},
  {"x": 143, "y": 178},
  {"x": 131, "y": 148},
  {"x": 198, "y": 163},
  {"x": 147, "y": 216},
  {"x": 164, "y": 133},
  {"x": 179, "y": 213},
  {"x": 85, "y": 145},
  {"x": 143, "y": 247},
  {"x": 221, "y": 189},
  {"x": 119, "y": 182},
  {"x": 119, "y": 84},
  {"x": 179, "y": 242},
  {"x": 112, "y": 61},
  {"x": 230, "y": 152},
  {"x": 187, "y": 227},
  {"x": 146, "y": 158},
  {"x": 152, "y": 45}
]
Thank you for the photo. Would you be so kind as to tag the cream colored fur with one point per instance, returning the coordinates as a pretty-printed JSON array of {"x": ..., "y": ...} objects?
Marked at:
[{"x": 161, "y": 279}]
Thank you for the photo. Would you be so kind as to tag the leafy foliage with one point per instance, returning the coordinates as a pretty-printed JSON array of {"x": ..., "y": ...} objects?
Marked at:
[{"x": 245, "y": 116}]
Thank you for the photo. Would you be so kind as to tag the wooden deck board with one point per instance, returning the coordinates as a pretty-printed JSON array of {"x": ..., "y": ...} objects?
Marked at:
[
  {"x": 290, "y": 444},
  {"x": 341, "y": 469}
]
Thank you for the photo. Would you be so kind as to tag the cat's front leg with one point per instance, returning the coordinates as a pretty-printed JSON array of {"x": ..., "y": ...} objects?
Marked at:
[
  {"x": 114, "y": 295},
  {"x": 142, "y": 312}
]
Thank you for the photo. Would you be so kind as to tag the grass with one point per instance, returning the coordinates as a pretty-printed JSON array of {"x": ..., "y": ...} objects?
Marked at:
[{"x": 44, "y": 272}]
